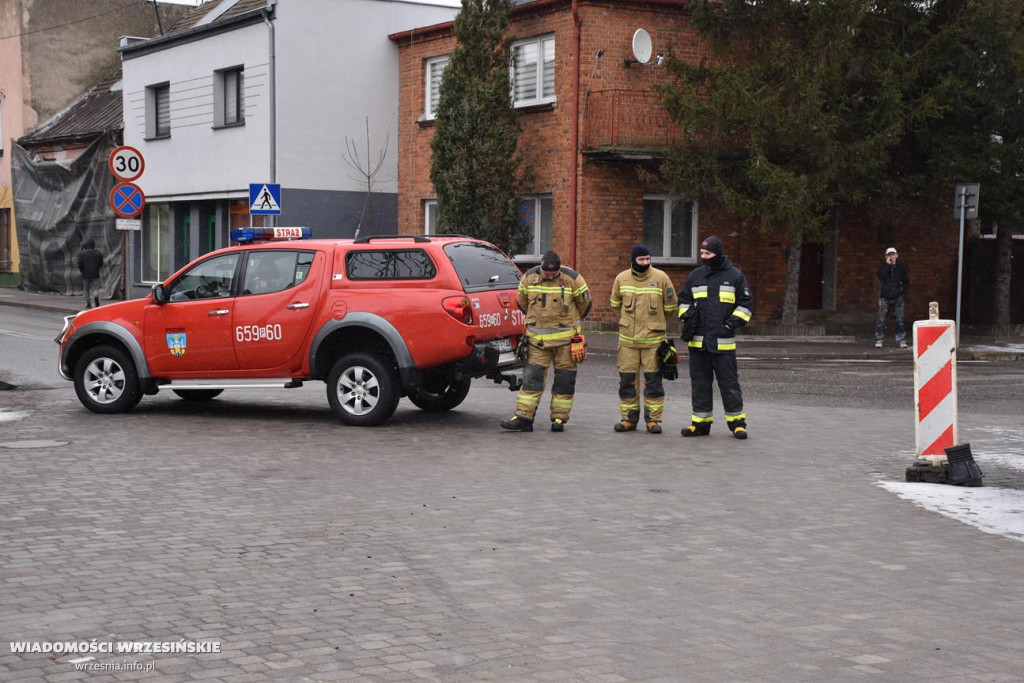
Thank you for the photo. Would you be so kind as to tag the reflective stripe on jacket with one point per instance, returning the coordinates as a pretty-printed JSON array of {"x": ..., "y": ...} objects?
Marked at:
[
  {"x": 554, "y": 308},
  {"x": 724, "y": 298},
  {"x": 644, "y": 302}
]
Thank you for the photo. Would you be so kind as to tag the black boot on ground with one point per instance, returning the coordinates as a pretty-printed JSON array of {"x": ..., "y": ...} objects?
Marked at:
[
  {"x": 653, "y": 428},
  {"x": 625, "y": 426},
  {"x": 557, "y": 425},
  {"x": 696, "y": 430},
  {"x": 740, "y": 432},
  {"x": 517, "y": 424}
]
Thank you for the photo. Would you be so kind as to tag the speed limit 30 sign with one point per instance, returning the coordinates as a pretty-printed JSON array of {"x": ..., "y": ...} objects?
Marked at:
[{"x": 126, "y": 163}]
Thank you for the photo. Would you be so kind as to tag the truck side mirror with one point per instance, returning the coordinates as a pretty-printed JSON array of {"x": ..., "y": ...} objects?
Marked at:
[{"x": 159, "y": 295}]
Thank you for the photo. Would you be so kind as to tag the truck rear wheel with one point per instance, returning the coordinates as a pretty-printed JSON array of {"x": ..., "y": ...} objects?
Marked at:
[
  {"x": 362, "y": 389},
  {"x": 198, "y": 395},
  {"x": 439, "y": 393},
  {"x": 106, "y": 380}
]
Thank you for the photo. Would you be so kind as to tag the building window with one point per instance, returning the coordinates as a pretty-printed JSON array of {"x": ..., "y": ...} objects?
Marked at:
[
  {"x": 670, "y": 228},
  {"x": 156, "y": 243},
  {"x": 6, "y": 257},
  {"x": 229, "y": 103},
  {"x": 430, "y": 217},
  {"x": 434, "y": 68},
  {"x": 158, "y": 111},
  {"x": 533, "y": 71},
  {"x": 535, "y": 217}
]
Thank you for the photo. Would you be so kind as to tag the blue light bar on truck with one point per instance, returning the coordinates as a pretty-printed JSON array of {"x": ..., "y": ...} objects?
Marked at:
[{"x": 245, "y": 235}]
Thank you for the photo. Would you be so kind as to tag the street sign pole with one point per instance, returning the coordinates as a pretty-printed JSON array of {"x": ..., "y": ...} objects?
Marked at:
[
  {"x": 960, "y": 261},
  {"x": 965, "y": 206}
]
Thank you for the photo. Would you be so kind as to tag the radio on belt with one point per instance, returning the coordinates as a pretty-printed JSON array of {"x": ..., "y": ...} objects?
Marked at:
[{"x": 244, "y": 235}]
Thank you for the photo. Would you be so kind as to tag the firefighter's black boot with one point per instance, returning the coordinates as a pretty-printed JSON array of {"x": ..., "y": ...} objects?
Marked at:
[
  {"x": 557, "y": 425},
  {"x": 517, "y": 424},
  {"x": 697, "y": 430},
  {"x": 740, "y": 432},
  {"x": 654, "y": 428}
]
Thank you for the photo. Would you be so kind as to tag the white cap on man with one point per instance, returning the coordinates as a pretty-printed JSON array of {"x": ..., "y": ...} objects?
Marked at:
[{"x": 890, "y": 250}]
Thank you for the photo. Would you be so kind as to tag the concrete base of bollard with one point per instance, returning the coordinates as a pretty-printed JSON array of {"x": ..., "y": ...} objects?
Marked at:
[{"x": 925, "y": 472}]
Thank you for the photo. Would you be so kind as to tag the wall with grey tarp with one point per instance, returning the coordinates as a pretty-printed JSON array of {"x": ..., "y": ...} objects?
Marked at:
[{"x": 57, "y": 206}]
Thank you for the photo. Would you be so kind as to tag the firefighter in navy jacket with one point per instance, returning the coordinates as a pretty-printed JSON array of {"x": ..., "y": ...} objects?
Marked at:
[{"x": 720, "y": 292}]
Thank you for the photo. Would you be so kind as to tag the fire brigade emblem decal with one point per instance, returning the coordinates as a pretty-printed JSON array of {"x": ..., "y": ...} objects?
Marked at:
[{"x": 176, "y": 343}]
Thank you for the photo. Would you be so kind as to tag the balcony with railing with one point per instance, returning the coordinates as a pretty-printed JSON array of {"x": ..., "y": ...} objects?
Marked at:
[{"x": 627, "y": 125}]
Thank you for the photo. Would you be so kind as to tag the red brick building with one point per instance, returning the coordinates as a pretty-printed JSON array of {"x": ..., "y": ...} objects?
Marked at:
[{"x": 592, "y": 124}]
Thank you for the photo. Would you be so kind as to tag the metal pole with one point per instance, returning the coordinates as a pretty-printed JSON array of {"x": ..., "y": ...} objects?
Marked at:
[
  {"x": 960, "y": 261},
  {"x": 272, "y": 57}
]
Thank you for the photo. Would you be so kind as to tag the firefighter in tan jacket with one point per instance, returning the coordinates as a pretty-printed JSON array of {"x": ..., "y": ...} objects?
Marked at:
[
  {"x": 644, "y": 299},
  {"x": 555, "y": 300}
]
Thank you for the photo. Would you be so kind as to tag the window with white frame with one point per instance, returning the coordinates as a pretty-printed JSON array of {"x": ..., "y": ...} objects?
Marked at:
[
  {"x": 430, "y": 217},
  {"x": 229, "y": 100},
  {"x": 434, "y": 69},
  {"x": 535, "y": 216},
  {"x": 158, "y": 111},
  {"x": 670, "y": 228},
  {"x": 156, "y": 243},
  {"x": 533, "y": 71}
]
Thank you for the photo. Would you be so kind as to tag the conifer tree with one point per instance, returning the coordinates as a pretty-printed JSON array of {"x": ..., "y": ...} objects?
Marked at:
[
  {"x": 791, "y": 117},
  {"x": 476, "y": 166}
]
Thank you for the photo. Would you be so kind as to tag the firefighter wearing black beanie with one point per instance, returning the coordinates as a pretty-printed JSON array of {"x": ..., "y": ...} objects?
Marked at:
[{"x": 644, "y": 299}]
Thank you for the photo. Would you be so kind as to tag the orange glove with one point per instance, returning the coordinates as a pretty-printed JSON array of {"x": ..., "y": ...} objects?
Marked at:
[{"x": 579, "y": 348}]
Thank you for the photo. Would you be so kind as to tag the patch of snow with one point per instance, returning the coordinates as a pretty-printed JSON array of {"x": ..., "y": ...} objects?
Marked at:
[{"x": 992, "y": 510}]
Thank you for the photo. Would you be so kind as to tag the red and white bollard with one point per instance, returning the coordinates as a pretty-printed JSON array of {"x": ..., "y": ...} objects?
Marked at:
[{"x": 935, "y": 387}]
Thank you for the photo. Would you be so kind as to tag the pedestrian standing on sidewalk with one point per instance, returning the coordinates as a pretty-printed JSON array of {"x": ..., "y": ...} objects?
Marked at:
[
  {"x": 895, "y": 285},
  {"x": 555, "y": 300},
  {"x": 643, "y": 297},
  {"x": 719, "y": 292},
  {"x": 89, "y": 263}
]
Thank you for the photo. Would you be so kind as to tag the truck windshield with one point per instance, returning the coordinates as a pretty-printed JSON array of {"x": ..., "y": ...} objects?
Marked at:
[{"x": 482, "y": 266}]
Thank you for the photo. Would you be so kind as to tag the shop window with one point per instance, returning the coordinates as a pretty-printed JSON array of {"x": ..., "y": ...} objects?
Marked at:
[{"x": 156, "y": 243}]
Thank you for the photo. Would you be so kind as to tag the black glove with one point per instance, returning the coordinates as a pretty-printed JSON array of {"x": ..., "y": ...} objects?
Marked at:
[{"x": 726, "y": 331}]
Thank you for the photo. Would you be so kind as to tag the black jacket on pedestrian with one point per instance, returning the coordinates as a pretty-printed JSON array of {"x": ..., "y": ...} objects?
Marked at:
[
  {"x": 721, "y": 292},
  {"x": 90, "y": 261},
  {"x": 895, "y": 280}
]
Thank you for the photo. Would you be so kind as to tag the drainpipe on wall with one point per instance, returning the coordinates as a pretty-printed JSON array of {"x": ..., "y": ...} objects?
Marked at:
[
  {"x": 574, "y": 182},
  {"x": 272, "y": 58}
]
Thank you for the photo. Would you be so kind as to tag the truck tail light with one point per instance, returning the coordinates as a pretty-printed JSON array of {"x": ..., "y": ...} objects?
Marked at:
[{"x": 459, "y": 308}]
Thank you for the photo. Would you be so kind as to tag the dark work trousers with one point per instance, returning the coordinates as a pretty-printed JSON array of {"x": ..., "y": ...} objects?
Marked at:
[{"x": 704, "y": 367}]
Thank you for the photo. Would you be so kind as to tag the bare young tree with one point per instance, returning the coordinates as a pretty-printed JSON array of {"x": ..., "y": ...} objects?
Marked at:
[{"x": 367, "y": 171}]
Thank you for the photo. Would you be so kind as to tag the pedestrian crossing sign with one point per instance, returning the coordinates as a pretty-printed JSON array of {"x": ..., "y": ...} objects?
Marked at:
[{"x": 265, "y": 199}]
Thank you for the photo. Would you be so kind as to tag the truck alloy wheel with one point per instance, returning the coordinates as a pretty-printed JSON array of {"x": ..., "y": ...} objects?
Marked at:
[
  {"x": 362, "y": 389},
  {"x": 106, "y": 380}
]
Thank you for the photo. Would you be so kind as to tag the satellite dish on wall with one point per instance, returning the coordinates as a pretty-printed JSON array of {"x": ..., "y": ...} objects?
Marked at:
[{"x": 642, "y": 46}]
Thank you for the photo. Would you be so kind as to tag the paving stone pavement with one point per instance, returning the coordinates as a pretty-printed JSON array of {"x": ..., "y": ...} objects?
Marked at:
[{"x": 441, "y": 548}]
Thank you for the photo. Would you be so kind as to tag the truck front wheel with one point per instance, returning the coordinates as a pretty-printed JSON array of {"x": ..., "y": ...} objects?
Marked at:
[
  {"x": 362, "y": 389},
  {"x": 106, "y": 380}
]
